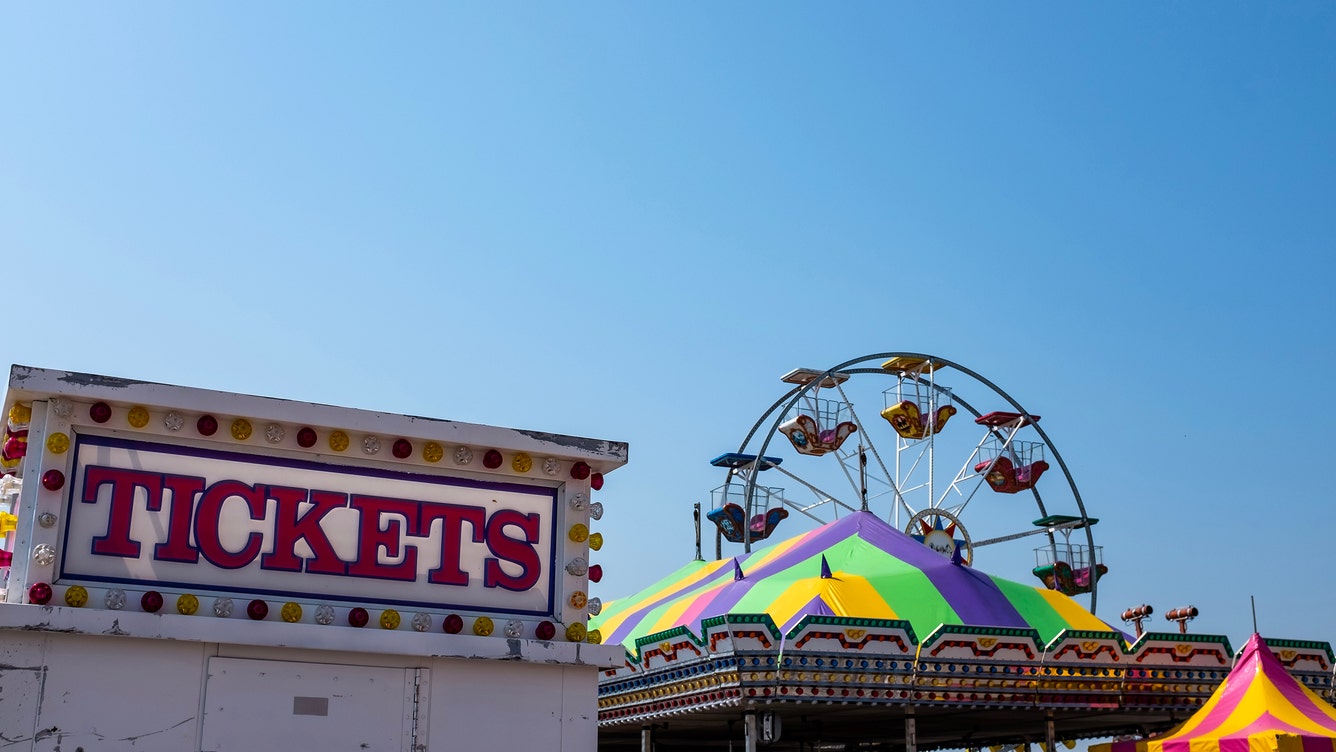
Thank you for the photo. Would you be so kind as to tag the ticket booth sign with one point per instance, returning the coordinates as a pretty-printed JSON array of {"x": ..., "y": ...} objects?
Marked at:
[{"x": 147, "y": 514}]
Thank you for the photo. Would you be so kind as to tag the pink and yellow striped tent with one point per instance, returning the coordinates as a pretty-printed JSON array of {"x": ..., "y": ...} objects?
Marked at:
[{"x": 1259, "y": 708}]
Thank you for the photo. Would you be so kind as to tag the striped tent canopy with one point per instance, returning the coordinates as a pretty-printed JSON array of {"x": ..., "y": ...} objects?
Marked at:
[
  {"x": 858, "y": 566},
  {"x": 1258, "y": 708}
]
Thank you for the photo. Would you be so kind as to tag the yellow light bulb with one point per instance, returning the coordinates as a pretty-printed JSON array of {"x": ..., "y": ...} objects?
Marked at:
[
  {"x": 138, "y": 416},
  {"x": 241, "y": 429},
  {"x": 57, "y": 443}
]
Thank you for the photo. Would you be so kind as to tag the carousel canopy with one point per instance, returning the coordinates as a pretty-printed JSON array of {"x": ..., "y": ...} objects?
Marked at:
[
  {"x": 858, "y": 566},
  {"x": 1258, "y": 707}
]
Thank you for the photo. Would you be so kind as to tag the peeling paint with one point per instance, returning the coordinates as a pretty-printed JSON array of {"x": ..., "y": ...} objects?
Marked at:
[
  {"x": 596, "y": 446},
  {"x": 115, "y": 629},
  {"x": 88, "y": 379}
]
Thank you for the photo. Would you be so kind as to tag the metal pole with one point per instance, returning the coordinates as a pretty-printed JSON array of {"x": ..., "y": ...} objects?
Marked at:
[
  {"x": 911, "y": 731},
  {"x": 646, "y": 739},
  {"x": 695, "y": 513},
  {"x": 1050, "y": 739},
  {"x": 749, "y": 728}
]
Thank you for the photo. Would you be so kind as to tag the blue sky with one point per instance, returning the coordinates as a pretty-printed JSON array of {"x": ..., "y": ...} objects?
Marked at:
[{"x": 628, "y": 220}]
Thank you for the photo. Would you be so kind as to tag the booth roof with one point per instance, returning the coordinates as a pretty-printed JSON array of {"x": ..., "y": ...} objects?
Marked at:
[{"x": 1258, "y": 707}]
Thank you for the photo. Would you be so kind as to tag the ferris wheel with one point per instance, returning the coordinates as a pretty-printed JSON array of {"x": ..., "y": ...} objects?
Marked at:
[{"x": 928, "y": 445}]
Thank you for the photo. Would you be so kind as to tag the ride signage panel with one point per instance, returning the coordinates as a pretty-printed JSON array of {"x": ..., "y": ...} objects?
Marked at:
[{"x": 149, "y": 514}]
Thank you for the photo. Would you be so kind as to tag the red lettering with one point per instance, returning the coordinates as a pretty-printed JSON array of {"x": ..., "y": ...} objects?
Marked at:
[
  {"x": 208, "y": 515},
  {"x": 117, "y": 541},
  {"x": 453, "y": 517},
  {"x": 514, "y": 550},
  {"x": 177, "y": 546},
  {"x": 381, "y": 532},
  {"x": 292, "y": 525}
]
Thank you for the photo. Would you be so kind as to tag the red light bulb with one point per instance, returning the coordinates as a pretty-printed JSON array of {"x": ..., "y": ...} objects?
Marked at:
[
  {"x": 306, "y": 437},
  {"x": 580, "y": 470},
  {"x": 596, "y": 481},
  {"x": 358, "y": 617},
  {"x": 453, "y": 624},
  {"x": 402, "y": 448},
  {"x": 53, "y": 480},
  {"x": 207, "y": 425},
  {"x": 491, "y": 460},
  {"x": 257, "y": 609},
  {"x": 39, "y": 593},
  {"x": 596, "y": 573},
  {"x": 100, "y": 412},
  {"x": 151, "y": 601},
  {"x": 546, "y": 630}
]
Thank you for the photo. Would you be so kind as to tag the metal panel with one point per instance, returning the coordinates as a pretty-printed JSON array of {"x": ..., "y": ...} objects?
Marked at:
[{"x": 254, "y": 704}]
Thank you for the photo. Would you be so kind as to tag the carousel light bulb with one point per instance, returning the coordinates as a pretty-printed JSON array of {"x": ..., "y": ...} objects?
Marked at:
[
  {"x": 358, "y": 617},
  {"x": 578, "y": 533},
  {"x": 401, "y": 449},
  {"x": 577, "y": 566},
  {"x": 370, "y": 444},
  {"x": 596, "y": 510},
  {"x": 596, "y": 541},
  {"x": 338, "y": 441},
  {"x": 291, "y": 612},
  {"x": 137, "y": 417},
  {"x": 274, "y": 433},
  {"x": 222, "y": 607},
  {"x": 241, "y": 429},
  {"x": 551, "y": 466},
  {"x": 578, "y": 599},
  {"x": 594, "y": 637},
  {"x": 173, "y": 421},
  {"x": 207, "y": 425},
  {"x": 306, "y": 437},
  {"x": 46, "y": 519},
  {"x": 57, "y": 443},
  {"x": 114, "y": 599},
  {"x": 187, "y": 604},
  {"x": 452, "y": 624},
  {"x": 545, "y": 630},
  {"x": 521, "y": 462},
  {"x": 421, "y": 621},
  {"x": 463, "y": 455},
  {"x": 151, "y": 601},
  {"x": 596, "y": 481},
  {"x": 62, "y": 407},
  {"x": 492, "y": 459},
  {"x": 596, "y": 573},
  {"x": 580, "y": 470},
  {"x": 43, "y": 554},
  {"x": 257, "y": 609},
  {"x": 100, "y": 412},
  {"x": 389, "y": 619},
  {"x": 595, "y": 606},
  {"x": 432, "y": 452},
  {"x": 576, "y": 632},
  {"x": 53, "y": 480},
  {"x": 76, "y": 596},
  {"x": 324, "y": 614},
  {"x": 39, "y": 593},
  {"x": 579, "y": 502},
  {"x": 514, "y": 628},
  {"x": 482, "y": 626}
]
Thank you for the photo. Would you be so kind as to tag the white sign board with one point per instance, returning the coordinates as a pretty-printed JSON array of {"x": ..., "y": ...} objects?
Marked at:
[{"x": 147, "y": 514}]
